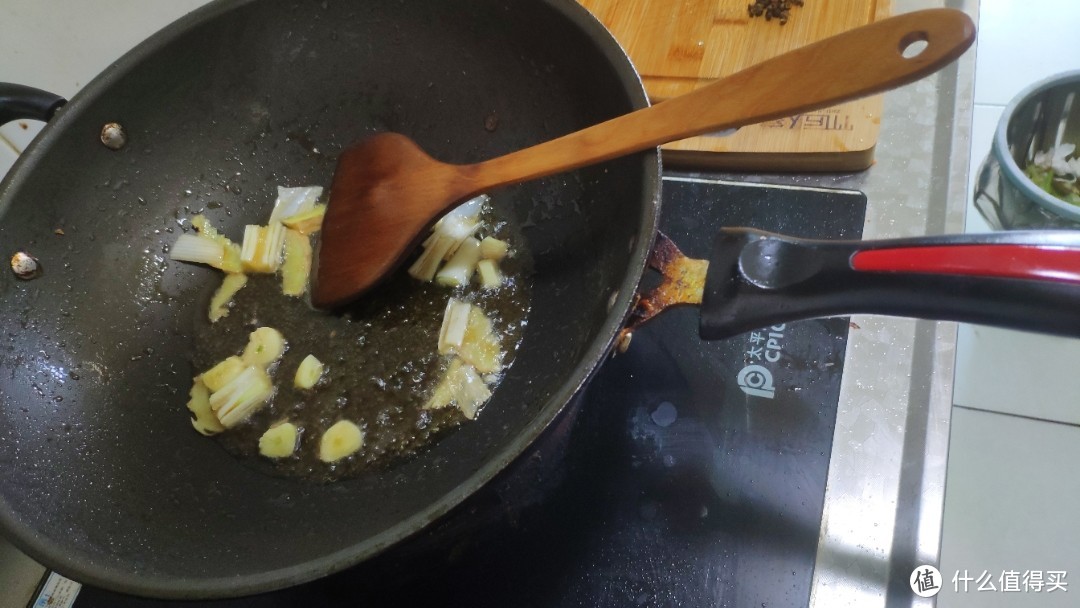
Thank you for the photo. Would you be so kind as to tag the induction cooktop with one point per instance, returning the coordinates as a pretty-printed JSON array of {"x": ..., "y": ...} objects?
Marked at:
[{"x": 687, "y": 473}]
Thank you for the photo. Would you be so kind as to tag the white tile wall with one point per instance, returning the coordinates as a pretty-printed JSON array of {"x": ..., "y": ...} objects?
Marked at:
[
  {"x": 1013, "y": 485},
  {"x": 1021, "y": 42}
]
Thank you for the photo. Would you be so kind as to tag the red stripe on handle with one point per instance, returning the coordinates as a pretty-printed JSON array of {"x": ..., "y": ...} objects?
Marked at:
[{"x": 1004, "y": 261}]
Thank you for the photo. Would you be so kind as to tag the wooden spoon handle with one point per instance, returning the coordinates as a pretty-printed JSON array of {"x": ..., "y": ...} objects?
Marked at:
[{"x": 856, "y": 63}]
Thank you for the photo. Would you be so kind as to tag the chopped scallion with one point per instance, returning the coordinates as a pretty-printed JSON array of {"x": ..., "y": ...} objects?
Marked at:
[
  {"x": 242, "y": 396},
  {"x": 262, "y": 247},
  {"x": 198, "y": 249},
  {"x": 292, "y": 201},
  {"x": 455, "y": 320},
  {"x": 460, "y": 269},
  {"x": 492, "y": 248},
  {"x": 490, "y": 276},
  {"x": 462, "y": 386},
  {"x": 205, "y": 422}
]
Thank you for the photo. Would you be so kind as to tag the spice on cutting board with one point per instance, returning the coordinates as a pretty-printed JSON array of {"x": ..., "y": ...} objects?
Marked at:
[{"x": 773, "y": 9}]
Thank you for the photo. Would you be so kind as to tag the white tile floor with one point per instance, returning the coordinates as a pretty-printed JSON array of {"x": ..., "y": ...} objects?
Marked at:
[{"x": 1012, "y": 485}]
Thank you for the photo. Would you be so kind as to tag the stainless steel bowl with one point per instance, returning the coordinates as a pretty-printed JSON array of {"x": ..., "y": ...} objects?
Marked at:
[{"x": 1041, "y": 117}]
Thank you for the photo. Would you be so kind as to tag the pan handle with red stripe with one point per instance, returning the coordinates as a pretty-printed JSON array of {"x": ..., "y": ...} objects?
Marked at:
[{"x": 1020, "y": 280}]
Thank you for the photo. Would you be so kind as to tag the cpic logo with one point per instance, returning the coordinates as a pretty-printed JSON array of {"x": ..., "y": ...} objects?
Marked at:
[
  {"x": 764, "y": 345},
  {"x": 756, "y": 381}
]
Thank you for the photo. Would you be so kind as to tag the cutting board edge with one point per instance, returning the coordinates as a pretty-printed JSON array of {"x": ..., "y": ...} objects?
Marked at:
[{"x": 777, "y": 162}]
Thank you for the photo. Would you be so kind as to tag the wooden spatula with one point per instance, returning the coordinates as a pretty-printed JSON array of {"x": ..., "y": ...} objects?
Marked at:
[{"x": 386, "y": 190}]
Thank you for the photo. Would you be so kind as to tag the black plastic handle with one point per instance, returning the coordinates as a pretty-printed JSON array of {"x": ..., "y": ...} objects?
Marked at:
[
  {"x": 18, "y": 101},
  {"x": 1020, "y": 280}
]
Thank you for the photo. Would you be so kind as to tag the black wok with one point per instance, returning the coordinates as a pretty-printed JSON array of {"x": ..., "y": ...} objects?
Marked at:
[{"x": 102, "y": 479}]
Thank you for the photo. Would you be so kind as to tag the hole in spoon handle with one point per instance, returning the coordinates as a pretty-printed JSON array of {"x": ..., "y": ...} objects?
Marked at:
[{"x": 914, "y": 44}]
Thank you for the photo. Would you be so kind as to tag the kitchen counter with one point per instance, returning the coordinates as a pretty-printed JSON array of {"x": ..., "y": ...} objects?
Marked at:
[{"x": 885, "y": 493}]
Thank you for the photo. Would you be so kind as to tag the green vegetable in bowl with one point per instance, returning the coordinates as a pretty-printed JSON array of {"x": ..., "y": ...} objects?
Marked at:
[{"x": 1055, "y": 173}]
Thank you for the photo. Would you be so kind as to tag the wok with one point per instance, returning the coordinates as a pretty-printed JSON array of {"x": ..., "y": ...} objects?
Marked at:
[{"x": 102, "y": 480}]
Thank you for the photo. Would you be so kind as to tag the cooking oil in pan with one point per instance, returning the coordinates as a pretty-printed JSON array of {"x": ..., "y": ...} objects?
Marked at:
[{"x": 382, "y": 365}]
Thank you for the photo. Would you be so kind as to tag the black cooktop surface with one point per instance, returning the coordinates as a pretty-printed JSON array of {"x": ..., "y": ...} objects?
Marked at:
[{"x": 687, "y": 473}]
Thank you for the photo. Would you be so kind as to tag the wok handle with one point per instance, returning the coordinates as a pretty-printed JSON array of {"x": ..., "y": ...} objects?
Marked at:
[
  {"x": 1020, "y": 280},
  {"x": 19, "y": 101}
]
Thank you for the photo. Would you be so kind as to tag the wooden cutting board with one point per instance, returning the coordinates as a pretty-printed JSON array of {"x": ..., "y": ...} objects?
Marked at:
[{"x": 679, "y": 45}]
